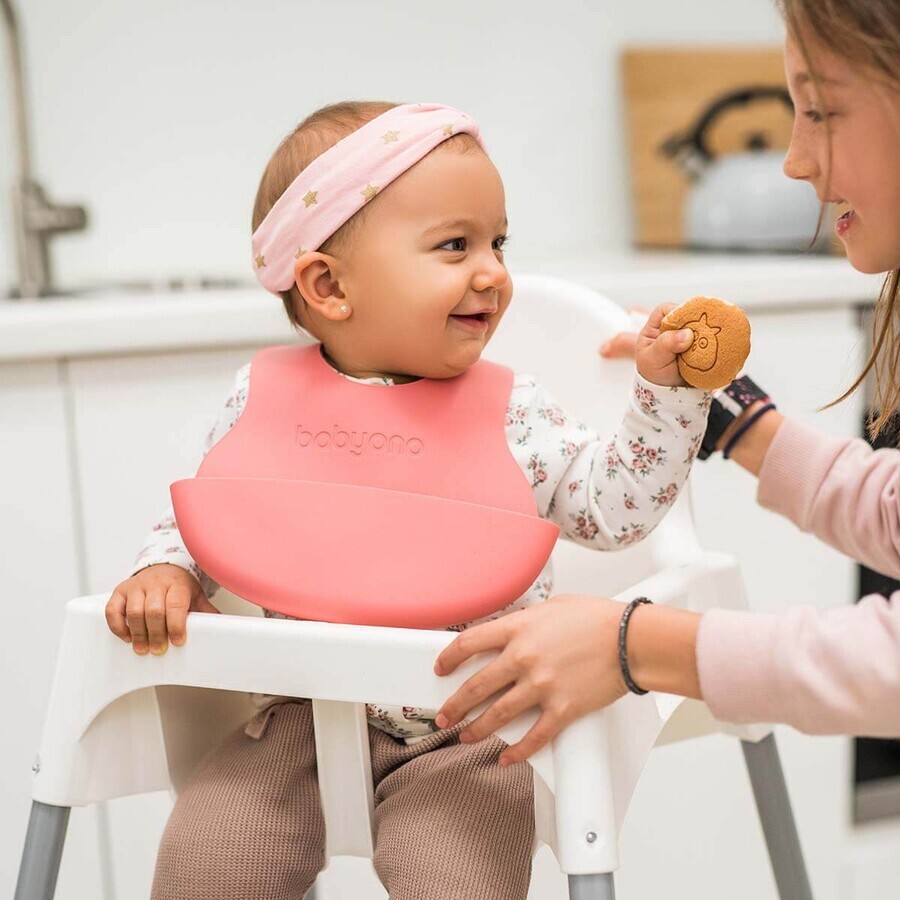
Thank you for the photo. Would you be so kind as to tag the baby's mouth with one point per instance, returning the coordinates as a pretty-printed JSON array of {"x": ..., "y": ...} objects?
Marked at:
[{"x": 474, "y": 321}]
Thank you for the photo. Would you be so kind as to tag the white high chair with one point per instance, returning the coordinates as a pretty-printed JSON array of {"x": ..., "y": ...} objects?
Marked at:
[{"x": 119, "y": 724}]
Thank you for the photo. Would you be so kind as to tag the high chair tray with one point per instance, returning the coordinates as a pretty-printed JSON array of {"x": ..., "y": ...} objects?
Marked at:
[{"x": 359, "y": 555}]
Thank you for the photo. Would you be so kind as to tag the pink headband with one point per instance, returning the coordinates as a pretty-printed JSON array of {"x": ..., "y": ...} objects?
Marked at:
[{"x": 337, "y": 184}]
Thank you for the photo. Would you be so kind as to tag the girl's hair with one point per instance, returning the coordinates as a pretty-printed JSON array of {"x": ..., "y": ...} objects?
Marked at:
[
  {"x": 317, "y": 133},
  {"x": 866, "y": 33}
]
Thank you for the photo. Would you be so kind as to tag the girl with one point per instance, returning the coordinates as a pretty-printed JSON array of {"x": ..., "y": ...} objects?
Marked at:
[
  {"x": 382, "y": 228},
  {"x": 837, "y": 672}
]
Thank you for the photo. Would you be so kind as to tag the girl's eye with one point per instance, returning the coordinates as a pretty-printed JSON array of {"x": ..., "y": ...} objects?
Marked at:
[
  {"x": 457, "y": 245},
  {"x": 816, "y": 117},
  {"x": 501, "y": 242}
]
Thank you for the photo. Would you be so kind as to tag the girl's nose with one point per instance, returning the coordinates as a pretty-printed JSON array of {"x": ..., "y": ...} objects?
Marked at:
[{"x": 798, "y": 161}]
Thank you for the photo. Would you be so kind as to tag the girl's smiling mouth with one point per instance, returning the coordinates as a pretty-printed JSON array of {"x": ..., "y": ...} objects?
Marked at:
[{"x": 845, "y": 223}]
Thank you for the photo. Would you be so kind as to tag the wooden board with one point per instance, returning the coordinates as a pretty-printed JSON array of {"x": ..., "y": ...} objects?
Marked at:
[{"x": 666, "y": 92}]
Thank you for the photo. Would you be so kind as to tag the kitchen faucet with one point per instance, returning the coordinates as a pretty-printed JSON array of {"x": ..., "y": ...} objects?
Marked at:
[{"x": 35, "y": 218}]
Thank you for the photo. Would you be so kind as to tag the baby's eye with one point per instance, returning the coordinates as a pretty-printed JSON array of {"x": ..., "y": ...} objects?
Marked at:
[
  {"x": 501, "y": 241},
  {"x": 457, "y": 245}
]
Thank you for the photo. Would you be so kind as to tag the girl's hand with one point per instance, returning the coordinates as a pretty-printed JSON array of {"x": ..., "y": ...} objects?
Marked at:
[
  {"x": 560, "y": 656},
  {"x": 655, "y": 351},
  {"x": 150, "y": 609}
]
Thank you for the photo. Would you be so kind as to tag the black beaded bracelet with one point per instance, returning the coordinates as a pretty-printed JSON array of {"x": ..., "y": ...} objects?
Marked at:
[
  {"x": 623, "y": 653},
  {"x": 732, "y": 443}
]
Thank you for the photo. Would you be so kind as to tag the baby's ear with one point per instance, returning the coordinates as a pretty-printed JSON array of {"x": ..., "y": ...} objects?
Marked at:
[{"x": 316, "y": 282}]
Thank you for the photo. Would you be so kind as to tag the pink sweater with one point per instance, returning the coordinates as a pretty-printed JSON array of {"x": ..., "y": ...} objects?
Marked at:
[{"x": 822, "y": 672}]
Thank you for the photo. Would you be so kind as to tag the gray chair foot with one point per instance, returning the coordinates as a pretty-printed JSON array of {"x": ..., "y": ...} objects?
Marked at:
[
  {"x": 42, "y": 852},
  {"x": 777, "y": 818},
  {"x": 592, "y": 887}
]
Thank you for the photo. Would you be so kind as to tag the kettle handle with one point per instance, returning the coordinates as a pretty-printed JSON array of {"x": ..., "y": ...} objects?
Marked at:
[
  {"x": 735, "y": 98},
  {"x": 692, "y": 142}
]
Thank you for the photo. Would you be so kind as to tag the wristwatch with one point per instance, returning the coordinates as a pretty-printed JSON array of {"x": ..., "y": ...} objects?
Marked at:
[{"x": 727, "y": 404}]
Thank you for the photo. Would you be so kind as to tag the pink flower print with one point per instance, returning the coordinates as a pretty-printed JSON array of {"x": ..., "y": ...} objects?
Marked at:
[
  {"x": 646, "y": 400},
  {"x": 612, "y": 461},
  {"x": 538, "y": 472},
  {"x": 629, "y": 502},
  {"x": 165, "y": 524},
  {"x": 575, "y": 486},
  {"x": 585, "y": 527},
  {"x": 412, "y": 713},
  {"x": 515, "y": 415},
  {"x": 644, "y": 458},
  {"x": 629, "y": 535},
  {"x": 665, "y": 496},
  {"x": 684, "y": 421},
  {"x": 640, "y": 464},
  {"x": 568, "y": 449},
  {"x": 552, "y": 414}
]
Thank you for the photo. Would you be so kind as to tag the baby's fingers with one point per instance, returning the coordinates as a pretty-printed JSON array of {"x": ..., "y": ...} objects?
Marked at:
[
  {"x": 178, "y": 605},
  {"x": 115, "y": 616},
  {"x": 155, "y": 617},
  {"x": 134, "y": 616},
  {"x": 654, "y": 320}
]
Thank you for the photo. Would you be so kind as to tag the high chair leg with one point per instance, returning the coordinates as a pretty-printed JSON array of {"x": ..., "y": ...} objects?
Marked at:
[
  {"x": 42, "y": 853},
  {"x": 777, "y": 818},
  {"x": 592, "y": 887}
]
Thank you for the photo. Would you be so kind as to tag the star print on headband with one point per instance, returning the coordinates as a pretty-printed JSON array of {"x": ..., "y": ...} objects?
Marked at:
[{"x": 343, "y": 179}]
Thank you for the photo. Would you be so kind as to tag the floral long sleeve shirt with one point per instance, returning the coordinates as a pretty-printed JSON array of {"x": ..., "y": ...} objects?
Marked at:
[{"x": 604, "y": 493}]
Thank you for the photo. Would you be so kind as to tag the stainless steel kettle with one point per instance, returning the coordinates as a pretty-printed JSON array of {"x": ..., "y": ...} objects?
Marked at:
[{"x": 742, "y": 201}]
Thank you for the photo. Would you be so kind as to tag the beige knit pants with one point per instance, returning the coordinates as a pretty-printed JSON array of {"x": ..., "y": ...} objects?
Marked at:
[{"x": 450, "y": 824}]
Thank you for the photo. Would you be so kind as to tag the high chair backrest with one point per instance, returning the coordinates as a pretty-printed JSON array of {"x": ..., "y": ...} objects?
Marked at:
[{"x": 553, "y": 330}]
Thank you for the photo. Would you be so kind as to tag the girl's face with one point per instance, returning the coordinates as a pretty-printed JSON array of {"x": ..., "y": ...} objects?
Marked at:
[
  {"x": 424, "y": 275},
  {"x": 863, "y": 125}
]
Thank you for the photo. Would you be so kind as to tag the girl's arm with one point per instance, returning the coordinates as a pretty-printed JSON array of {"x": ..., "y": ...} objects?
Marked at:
[{"x": 839, "y": 489}]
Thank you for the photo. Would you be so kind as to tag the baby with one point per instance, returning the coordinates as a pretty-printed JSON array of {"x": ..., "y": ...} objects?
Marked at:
[{"x": 383, "y": 229}]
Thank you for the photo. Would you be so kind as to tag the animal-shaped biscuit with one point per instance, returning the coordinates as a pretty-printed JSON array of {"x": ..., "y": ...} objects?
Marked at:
[{"x": 721, "y": 341}]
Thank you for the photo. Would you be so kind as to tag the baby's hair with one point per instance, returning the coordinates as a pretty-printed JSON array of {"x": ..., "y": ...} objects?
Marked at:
[
  {"x": 317, "y": 133},
  {"x": 865, "y": 33}
]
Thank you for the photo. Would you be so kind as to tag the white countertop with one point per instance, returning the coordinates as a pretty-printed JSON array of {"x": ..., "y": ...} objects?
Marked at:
[{"x": 128, "y": 323}]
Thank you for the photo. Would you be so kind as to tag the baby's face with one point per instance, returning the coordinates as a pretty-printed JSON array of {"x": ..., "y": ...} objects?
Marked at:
[{"x": 424, "y": 275}]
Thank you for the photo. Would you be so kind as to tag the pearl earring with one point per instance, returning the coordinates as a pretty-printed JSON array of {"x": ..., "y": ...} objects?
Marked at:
[{"x": 344, "y": 309}]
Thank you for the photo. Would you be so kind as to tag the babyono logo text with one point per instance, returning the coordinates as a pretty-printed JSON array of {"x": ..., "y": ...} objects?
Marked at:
[{"x": 358, "y": 443}]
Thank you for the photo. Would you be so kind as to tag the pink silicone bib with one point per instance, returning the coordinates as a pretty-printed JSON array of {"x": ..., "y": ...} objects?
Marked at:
[{"x": 346, "y": 502}]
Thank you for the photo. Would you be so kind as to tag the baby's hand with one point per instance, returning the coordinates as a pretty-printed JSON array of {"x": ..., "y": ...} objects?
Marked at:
[
  {"x": 150, "y": 609},
  {"x": 655, "y": 351}
]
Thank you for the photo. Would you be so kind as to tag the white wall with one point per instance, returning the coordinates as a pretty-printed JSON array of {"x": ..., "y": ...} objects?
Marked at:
[{"x": 160, "y": 116}]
